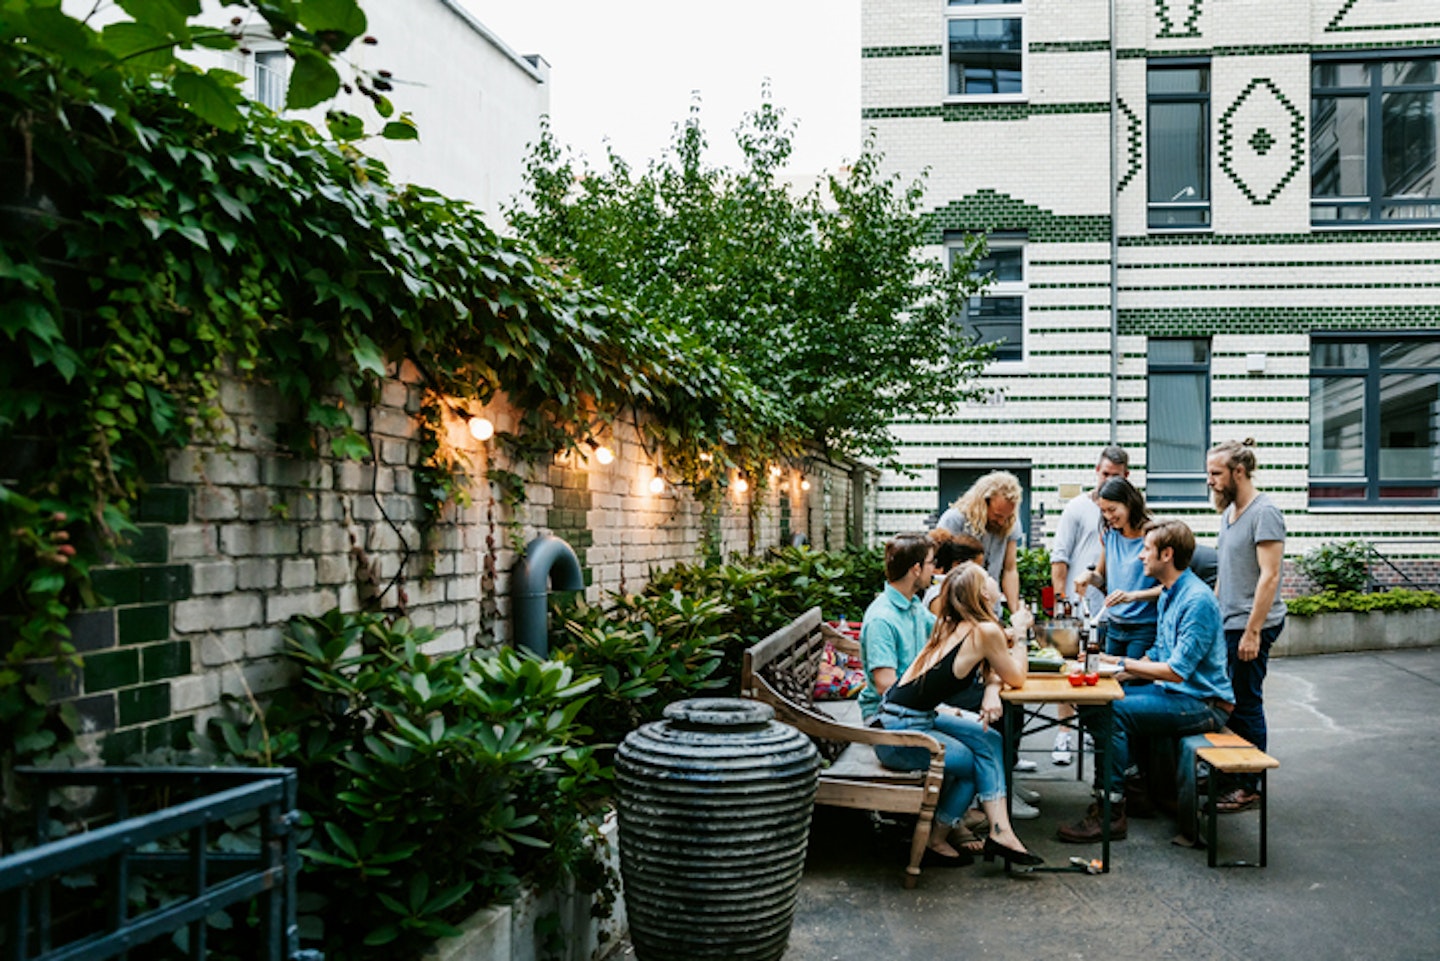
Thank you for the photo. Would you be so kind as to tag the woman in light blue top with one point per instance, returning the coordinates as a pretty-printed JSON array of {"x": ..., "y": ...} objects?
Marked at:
[{"x": 1130, "y": 593}]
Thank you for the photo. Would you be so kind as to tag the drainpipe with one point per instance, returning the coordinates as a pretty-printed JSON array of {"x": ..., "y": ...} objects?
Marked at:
[
  {"x": 1114, "y": 232},
  {"x": 549, "y": 564}
]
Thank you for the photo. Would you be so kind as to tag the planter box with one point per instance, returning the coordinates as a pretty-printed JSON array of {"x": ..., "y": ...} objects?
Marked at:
[
  {"x": 1369, "y": 631},
  {"x": 507, "y": 932}
]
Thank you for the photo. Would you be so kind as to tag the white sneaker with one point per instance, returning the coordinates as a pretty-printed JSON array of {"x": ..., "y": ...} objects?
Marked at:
[
  {"x": 1025, "y": 794},
  {"x": 1064, "y": 748},
  {"x": 1024, "y": 765},
  {"x": 1021, "y": 811}
]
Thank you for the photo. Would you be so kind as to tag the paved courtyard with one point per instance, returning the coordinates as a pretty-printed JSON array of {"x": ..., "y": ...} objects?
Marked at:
[{"x": 1354, "y": 867}]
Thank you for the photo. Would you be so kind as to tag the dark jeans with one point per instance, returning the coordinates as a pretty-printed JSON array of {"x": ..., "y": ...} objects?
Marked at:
[
  {"x": 1248, "y": 679},
  {"x": 1129, "y": 640},
  {"x": 1152, "y": 711}
]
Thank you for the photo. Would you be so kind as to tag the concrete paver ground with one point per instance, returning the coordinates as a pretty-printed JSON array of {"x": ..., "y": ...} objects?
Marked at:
[{"x": 1354, "y": 859}]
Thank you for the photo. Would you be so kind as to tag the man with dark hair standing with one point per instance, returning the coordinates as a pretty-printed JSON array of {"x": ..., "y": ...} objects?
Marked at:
[
  {"x": 1250, "y": 548},
  {"x": 896, "y": 624},
  {"x": 1191, "y": 693}
]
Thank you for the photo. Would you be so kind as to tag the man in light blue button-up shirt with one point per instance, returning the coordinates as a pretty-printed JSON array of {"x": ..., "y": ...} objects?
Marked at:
[
  {"x": 896, "y": 624},
  {"x": 1191, "y": 693}
]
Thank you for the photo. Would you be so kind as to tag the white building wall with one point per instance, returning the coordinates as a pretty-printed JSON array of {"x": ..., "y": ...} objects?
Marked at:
[{"x": 1260, "y": 280}]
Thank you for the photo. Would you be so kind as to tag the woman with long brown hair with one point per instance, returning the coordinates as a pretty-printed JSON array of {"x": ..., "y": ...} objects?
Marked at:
[{"x": 967, "y": 641}]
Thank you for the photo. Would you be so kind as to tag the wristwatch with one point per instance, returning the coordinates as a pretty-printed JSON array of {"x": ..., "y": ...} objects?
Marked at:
[{"x": 1120, "y": 666}]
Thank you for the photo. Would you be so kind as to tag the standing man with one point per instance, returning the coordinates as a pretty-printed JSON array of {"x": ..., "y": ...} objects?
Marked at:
[
  {"x": 1251, "y": 547},
  {"x": 1077, "y": 548},
  {"x": 1191, "y": 693},
  {"x": 896, "y": 624},
  {"x": 987, "y": 512}
]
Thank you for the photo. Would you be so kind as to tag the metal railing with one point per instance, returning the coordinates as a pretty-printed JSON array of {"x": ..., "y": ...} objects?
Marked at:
[{"x": 213, "y": 879}]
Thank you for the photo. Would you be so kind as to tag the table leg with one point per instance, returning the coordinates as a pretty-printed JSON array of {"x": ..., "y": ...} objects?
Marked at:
[{"x": 1103, "y": 747}]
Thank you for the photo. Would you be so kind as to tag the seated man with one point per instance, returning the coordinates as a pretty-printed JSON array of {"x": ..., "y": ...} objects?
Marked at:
[
  {"x": 1191, "y": 693},
  {"x": 896, "y": 623}
]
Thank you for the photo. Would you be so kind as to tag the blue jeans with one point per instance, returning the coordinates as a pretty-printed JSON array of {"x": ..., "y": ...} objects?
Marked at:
[
  {"x": 1129, "y": 640},
  {"x": 1248, "y": 678},
  {"x": 1148, "y": 711},
  {"x": 973, "y": 757}
]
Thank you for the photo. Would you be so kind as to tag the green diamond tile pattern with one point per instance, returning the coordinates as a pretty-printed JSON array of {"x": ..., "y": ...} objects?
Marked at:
[
  {"x": 1261, "y": 141},
  {"x": 1260, "y": 194}
]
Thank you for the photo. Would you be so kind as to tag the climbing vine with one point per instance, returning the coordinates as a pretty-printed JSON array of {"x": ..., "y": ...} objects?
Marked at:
[{"x": 149, "y": 249}]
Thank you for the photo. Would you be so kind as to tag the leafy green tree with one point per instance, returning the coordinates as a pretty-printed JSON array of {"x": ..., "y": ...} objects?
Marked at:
[{"x": 824, "y": 299}]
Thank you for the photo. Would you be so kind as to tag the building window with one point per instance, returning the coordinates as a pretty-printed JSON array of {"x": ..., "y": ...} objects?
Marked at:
[
  {"x": 1178, "y": 103},
  {"x": 986, "y": 43},
  {"x": 272, "y": 75},
  {"x": 998, "y": 315},
  {"x": 1177, "y": 419},
  {"x": 1373, "y": 140},
  {"x": 1374, "y": 411}
]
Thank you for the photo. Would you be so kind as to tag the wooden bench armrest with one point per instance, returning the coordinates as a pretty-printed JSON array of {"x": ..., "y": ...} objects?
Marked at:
[{"x": 818, "y": 725}]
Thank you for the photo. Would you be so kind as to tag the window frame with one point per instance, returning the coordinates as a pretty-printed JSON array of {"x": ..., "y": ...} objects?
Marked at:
[
  {"x": 1001, "y": 240},
  {"x": 984, "y": 10},
  {"x": 1155, "y": 208},
  {"x": 1198, "y": 475},
  {"x": 1372, "y": 373},
  {"x": 1373, "y": 91}
]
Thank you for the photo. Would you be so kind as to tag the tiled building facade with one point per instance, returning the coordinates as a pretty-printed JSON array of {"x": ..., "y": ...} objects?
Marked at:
[{"x": 1208, "y": 219}]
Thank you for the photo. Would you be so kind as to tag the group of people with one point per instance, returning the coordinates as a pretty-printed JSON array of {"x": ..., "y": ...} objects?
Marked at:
[{"x": 1192, "y": 657}]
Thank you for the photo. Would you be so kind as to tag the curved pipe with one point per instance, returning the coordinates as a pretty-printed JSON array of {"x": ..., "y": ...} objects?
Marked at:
[{"x": 549, "y": 564}]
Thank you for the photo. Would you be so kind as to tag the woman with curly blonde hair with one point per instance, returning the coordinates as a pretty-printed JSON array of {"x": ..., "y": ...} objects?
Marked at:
[{"x": 987, "y": 512}]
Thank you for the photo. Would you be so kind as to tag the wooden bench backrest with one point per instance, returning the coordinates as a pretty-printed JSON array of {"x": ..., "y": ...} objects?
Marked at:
[{"x": 794, "y": 649}]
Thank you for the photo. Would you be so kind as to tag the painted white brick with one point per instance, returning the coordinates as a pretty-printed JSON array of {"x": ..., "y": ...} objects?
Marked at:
[
  {"x": 189, "y": 542},
  {"x": 297, "y": 573},
  {"x": 217, "y": 577},
  {"x": 281, "y": 607},
  {"x": 217, "y": 614},
  {"x": 257, "y": 573}
]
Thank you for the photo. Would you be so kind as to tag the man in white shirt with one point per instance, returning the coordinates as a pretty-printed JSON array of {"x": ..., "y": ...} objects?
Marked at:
[{"x": 1076, "y": 550}]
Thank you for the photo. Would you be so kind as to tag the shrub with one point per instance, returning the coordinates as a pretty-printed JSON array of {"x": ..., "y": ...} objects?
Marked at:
[
  {"x": 431, "y": 785},
  {"x": 1338, "y": 566},
  {"x": 1395, "y": 599},
  {"x": 1034, "y": 566}
]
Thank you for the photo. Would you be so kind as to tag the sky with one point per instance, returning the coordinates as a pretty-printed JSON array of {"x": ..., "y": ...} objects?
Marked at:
[{"x": 624, "y": 70}]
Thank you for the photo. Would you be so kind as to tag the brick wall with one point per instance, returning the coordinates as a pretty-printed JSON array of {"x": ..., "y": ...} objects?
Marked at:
[{"x": 241, "y": 534}]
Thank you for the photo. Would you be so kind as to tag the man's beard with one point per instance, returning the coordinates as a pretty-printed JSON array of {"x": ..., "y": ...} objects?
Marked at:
[{"x": 1224, "y": 496}]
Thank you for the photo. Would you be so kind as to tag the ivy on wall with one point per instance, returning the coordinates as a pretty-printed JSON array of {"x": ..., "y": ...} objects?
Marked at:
[{"x": 156, "y": 236}]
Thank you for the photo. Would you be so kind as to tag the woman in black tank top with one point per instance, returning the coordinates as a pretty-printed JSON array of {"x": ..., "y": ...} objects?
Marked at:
[{"x": 967, "y": 641}]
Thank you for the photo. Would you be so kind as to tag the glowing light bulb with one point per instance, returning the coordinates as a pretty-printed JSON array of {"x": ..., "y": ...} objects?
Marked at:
[
  {"x": 657, "y": 484},
  {"x": 804, "y": 485},
  {"x": 604, "y": 455},
  {"x": 706, "y": 457},
  {"x": 775, "y": 471},
  {"x": 481, "y": 428},
  {"x": 741, "y": 485}
]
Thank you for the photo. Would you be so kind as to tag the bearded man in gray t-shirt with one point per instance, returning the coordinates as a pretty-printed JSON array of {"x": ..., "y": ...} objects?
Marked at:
[{"x": 1251, "y": 548}]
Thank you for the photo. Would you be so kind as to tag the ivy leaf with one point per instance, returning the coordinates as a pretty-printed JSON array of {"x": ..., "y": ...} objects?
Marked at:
[
  {"x": 350, "y": 446},
  {"x": 403, "y": 129},
  {"x": 343, "y": 16},
  {"x": 368, "y": 357},
  {"x": 172, "y": 16},
  {"x": 312, "y": 81},
  {"x": 344, "y": 126},
  {"x": 211, "y": 99},
  {"x": 51, "y": 29},
  {"x": 139, "y": 44}
]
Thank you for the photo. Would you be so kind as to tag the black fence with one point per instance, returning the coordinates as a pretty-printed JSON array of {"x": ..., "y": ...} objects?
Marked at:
[{"x": 44, "y": 920}]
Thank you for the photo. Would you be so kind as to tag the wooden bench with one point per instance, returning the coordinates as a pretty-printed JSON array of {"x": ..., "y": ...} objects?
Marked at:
[
  {"x": 1226, "y": 752},
  {"x": 777, "y": 669}
]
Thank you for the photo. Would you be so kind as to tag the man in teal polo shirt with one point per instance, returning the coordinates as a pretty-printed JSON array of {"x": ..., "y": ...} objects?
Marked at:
[{"x": 896, "y": 624}]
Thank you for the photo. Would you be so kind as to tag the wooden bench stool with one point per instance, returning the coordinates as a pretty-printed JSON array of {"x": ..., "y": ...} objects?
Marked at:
[{"x": 1227, "y": 753}]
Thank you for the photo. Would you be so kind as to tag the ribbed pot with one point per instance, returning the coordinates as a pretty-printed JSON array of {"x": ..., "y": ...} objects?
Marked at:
[{"x": 714, "y": 805}]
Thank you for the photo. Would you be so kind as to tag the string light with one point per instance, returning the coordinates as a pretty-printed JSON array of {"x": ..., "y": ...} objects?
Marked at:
[
  {"x": 657, "y": 484},
  {"x": 604, "y": 455},
  {"x": 741, "y": 485},
  {"x": 481, "y": 428},
  {"x": 775, "y": 471},
  {"x": 804, "y": 485}
]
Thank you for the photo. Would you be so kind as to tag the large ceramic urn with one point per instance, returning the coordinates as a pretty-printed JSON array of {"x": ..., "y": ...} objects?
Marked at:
[{"x": 714, "y": 805}]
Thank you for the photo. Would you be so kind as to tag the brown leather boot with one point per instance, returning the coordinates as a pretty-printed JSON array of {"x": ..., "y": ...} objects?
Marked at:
[
  {"x": 1137, "y": 799},
  {"x": 1088, "y": 829}
]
